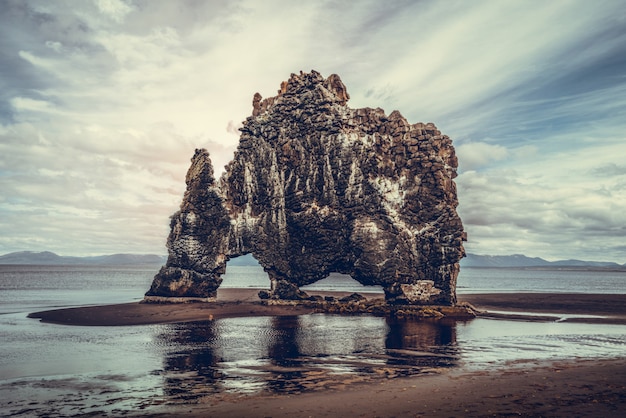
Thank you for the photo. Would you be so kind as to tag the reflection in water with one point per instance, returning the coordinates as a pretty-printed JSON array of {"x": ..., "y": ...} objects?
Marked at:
[
  {"x": 193, "y": 364},
  {"x": 117, "y": 371},
  {"x": 284, "y": 349},
  {"x": 422, "y": 343},
  {"x": 298, "y": 353},
  {"x": 285, "y": 356}
]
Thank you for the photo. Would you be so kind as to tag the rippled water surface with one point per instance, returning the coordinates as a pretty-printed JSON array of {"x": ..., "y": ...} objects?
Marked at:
[
  {"x": 59, "y": 370},
  {"x": 53, "y": 369}
]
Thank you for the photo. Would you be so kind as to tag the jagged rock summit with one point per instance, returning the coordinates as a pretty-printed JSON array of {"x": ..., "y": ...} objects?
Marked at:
[{"x": 317, "y": 187}]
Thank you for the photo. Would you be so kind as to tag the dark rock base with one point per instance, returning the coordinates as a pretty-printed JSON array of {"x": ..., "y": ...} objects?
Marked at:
[{"x": 378, "y": 307}]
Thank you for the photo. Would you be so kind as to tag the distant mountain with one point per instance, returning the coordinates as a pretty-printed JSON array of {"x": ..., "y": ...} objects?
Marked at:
[
  {"x": 50, "y": 258},
  {"x": 515, "y": 260},
  {"x": 519, "y": 260},
  {"x": 30, "y": 257},
  {"x": 472, "y": 260},
  {"x": 581, "y": 263}
]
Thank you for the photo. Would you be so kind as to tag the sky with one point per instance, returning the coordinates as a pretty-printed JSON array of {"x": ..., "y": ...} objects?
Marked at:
[{"x": 103, "y": 102}]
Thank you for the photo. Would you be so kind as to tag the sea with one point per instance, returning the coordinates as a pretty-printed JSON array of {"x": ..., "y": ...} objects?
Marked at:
[{"x": 57, "y": 370}]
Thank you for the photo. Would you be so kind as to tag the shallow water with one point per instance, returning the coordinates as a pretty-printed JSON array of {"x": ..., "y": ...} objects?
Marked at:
[{"x": 60, "y": 370}]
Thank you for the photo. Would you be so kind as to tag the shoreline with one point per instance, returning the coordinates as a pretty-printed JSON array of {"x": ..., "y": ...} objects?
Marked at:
[{"x": 232, "y": 302}]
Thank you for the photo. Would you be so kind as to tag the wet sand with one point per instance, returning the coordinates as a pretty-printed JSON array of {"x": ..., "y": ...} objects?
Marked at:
[
  {"x": 552, "y": 303},
  {"x": 231, "y": 303},
  {"x": 592, "y": 388},
  {"x": 590, "y": 308},
  {"x": 561, "y": 307}
]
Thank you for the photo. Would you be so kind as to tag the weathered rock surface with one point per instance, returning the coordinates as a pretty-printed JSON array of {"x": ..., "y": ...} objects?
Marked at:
[{"x": 317, "y": 187}]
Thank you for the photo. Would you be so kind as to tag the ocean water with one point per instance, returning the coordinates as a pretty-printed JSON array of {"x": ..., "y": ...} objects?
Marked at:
[
  {"x": 471, "y": 280},
  {"x": 552, "y": 280},
  {"x": 57, "y": 370}
]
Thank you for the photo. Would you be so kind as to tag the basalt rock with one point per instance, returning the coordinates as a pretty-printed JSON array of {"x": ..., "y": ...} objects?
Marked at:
[{"x": 317, "y": 187}]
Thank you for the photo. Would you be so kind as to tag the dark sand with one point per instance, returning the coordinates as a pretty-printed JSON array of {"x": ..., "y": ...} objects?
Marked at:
[
  {"x": 593, "y": 388},
  {"x": 602, "y": 308},
  {"x": 575, "y": 388},
  {"x": 562, "y": 307}
]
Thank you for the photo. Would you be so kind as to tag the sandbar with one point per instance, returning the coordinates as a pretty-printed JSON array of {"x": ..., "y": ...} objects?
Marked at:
[
  {"x": 573, "y": 307},
  {"x": 565, "y": 307}
]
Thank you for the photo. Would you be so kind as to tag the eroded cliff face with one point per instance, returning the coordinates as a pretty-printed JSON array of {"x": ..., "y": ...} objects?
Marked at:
[{"x": 317, "y": 187}]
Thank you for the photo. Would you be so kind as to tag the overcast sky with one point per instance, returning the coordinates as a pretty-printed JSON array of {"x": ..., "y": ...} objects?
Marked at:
[{"x": 103, "y": 102}]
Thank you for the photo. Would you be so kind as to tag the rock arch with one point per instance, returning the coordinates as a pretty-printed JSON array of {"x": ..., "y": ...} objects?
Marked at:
[{"x": 317, "y": 187}]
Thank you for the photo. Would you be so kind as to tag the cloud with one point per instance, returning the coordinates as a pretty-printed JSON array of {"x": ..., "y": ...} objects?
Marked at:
[
  {"x": 610, "y": 169},
  {"x": 21, "y": 104},
  {"x": 114, "y": 9},
  {"x": 477, "y": 154},
  {"x": 547, "y": 205}
]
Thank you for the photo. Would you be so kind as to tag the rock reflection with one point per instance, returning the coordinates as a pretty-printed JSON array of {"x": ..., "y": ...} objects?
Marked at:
[
  {"x": 284, "y": 349},
  {"x": 191, "y": 367},
  {"x": 288, "y": 367},
  {"x": 296, "y": 354},
  {"x": 422, "y": 343}
]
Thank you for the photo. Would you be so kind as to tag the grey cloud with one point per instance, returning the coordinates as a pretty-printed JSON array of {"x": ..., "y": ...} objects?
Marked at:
[
  {"x": 531, "y": 215},
  {"x": 356, "y": 24},
  {"x": 25, "y": 26},
  {"x": 609, "y": 170},
  {"x": 6, "y": 110},
  {"x": 26, "y": 29},
  {"x": 184, "y": 16},
  {"x": 593, "y": 63},
  {"x": 575, "y": 86},
  {"x": 383, "y": 93}
]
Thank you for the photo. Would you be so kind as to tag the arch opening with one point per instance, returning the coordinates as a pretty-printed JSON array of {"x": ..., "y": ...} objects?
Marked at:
[
  {"x": 339, "y": 282},
  {"x": 244, "y": 272}
]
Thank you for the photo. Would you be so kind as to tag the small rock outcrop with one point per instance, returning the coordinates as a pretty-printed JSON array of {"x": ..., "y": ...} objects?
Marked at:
[{"x": 317, "y": 187}]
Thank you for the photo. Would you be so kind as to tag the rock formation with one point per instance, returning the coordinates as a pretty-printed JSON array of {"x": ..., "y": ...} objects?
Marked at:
[{"x": 317, "y": 187}]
